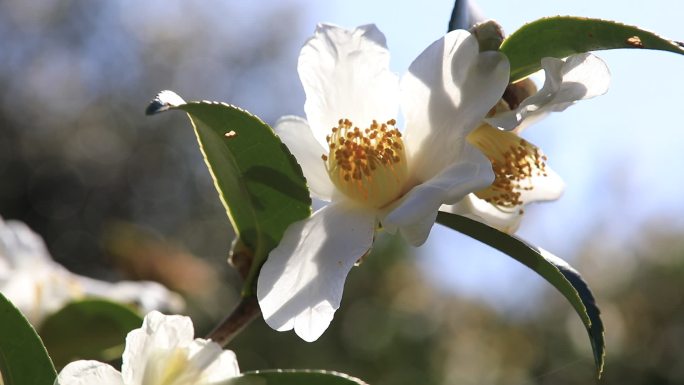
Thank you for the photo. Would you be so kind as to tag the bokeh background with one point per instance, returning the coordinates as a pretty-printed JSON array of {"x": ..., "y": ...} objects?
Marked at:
[{"x": 119, "y": 195}]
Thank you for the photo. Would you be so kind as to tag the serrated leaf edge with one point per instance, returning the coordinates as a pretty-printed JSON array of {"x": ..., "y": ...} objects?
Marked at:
[
  {"x": 675, "y": 45},
  {"x": 259, "y": 253}
]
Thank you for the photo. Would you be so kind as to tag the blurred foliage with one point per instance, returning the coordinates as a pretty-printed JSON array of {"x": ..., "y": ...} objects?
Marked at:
[
  {"x": 76, "y": 152},
  {"x": 91, "y": 328},
  {"x": 144, "y": 254},
  {"x": 106, "y": 186}
]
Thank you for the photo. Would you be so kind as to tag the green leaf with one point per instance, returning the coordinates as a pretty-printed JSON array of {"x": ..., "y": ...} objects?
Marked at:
[
  {"x": 259, "y": 181},
  {"x": 295, "y": 377},
  {"x": 556, "y": 271},
  {"x": 23, "y": 358},
  {"x": 93, "y": 329},
  {"x": 562, "y": 36}
]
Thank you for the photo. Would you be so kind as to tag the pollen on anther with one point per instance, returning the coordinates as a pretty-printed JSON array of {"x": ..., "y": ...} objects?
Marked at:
[
  {"x": 514, "y": 162},
  {"x": 356, "y": 153}
]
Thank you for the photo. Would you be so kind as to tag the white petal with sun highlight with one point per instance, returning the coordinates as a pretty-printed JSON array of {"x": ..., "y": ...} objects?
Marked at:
[
  {"x": 416, "y": 212},
  {"x": 508, "y": 219},
  {"x": 89, "y": 373},
  {"x": 161, "y": 352},
  {"x": 578, "y": 77},
  {"x": 300, "y": 285},
  {"x": 345, "y": 74},
  {"x": 449, "y": 88}
]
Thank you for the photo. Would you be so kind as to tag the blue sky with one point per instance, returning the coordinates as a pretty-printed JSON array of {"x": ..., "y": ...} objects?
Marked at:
[{"x": 620, "y": 154}]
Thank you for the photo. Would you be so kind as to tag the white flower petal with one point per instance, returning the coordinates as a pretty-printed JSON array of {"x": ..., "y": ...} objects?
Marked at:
[
  {"x": 544, "y": 188},
  {"x": 417, "y": 232},
  {"x": 300, "y": 285},
  {"x": 88, "y": 373},
  {"x": 5, "y": 267},
  {"x": 224, "y": 367},
  {"x": 29, "y": 277},
  {"x": 578, "y": 77},
  {"x": 25, "y": 292},
  {"x": 41, "y": 291},
  {"x": 298, "y": 137},
  {"x": 203, "y": 352},
  {"x": 39, "y": 286},
  {"x": 480, "y": 210},
  {"x": 157, "y": 332},
  {"x": 21, "y": 246},
  {"x": 217, "y": 364},
  {"x": 346, "y": 74},
  {"x": 210, "y": 362},
  {"x": 145, "y": 295},
  {"x": 447, "y": 92},
  {"x": 415, "y": 214}
]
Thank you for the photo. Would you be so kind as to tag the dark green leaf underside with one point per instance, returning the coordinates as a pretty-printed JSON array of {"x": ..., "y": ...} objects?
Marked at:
[
  {"x": 23, "y": 358},
  {"x": 558, "y": 273},
  {"x": 562, "y": 36},
  {"x": 295, "y": 377},
  {"x": 91, "y": 329}
]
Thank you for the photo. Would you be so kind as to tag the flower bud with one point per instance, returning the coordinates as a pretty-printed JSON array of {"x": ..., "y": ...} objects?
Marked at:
[{"x": 489, "y": 34}]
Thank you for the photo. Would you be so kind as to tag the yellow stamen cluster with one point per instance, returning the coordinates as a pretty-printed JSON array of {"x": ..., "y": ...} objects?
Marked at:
[
  {"x": 515, "y": 162},
  {"x": 369, "y": 164}
]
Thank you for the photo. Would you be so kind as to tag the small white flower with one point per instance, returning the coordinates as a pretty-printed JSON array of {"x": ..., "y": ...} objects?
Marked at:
[
  {"x": 522, "y": 174},
  {"x": 39, "y": 286},
  {"x": 578, "y": 77},
  {"x": 354, "y": 157},
  {"x": 161, "y": 352}
]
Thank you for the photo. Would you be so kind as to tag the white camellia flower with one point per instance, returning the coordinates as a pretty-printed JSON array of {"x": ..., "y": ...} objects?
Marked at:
[
  {"x": 522, "y": 174},
  {"x": 39, "y": 286},
  {"x": 374, "y": 176},
  {"x": 161, "y": 352}
]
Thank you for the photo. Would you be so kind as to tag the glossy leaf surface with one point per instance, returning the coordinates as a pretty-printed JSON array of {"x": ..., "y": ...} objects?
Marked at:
[
  {"x": 258, "y": 180},
  {"x": 23, "y": 358},
  {"x": 562, "y": 36}
]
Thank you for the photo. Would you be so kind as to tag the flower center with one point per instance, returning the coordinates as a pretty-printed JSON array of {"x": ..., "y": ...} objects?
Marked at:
[
  {"x": 515, "y": 162},
  {"x": 367, "y": 165},
  {"x": 171, "y": 367}
]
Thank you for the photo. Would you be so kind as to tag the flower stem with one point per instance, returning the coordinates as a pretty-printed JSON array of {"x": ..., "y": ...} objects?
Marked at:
[{"x": 244, "y": 313}]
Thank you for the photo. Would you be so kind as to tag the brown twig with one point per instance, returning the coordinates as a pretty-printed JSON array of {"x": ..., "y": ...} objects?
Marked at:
[
  {"x": 244, "y": 313},
  {"x": 241, "y": 258}
]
